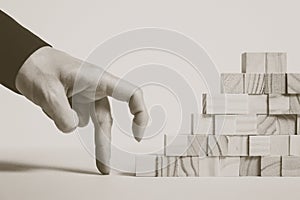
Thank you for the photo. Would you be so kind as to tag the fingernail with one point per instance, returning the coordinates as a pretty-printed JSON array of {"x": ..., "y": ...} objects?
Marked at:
[{"x": 138, "y": 139}]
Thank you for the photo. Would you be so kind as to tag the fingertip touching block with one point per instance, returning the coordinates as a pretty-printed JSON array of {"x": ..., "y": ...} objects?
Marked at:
[{"x": 232, "y": 83}]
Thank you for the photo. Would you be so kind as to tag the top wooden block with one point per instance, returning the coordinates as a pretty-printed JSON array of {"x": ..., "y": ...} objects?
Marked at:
[{"x": 273, "y": 62}]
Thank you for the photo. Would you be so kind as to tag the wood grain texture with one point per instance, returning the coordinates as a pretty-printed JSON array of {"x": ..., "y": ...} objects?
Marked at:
[
  {"x": 279, "y": 145},
  {"x": 229, "y": 166},
  {"x": 232, "y": 83},
  {"x": 276, "y": 62},
  {"x": 279, "y": 104},
  {"x": 202, "y": 124},
  {"x": 253, "y": 62},
  {"x": 259, "y": 145},
  {"x": 238, "y": 146},
  {"x": 176, "y": 145},
  {"x": 235, "y": 124},
  {"x": 188, "y": 166},
  {"x": 250, "y": 166},
  {"x": 197, "y": 145},
  {"x": 293, "y": 83},
  {"x": 298, "y": 125},
  {"x": 275, "y": 83},
  {"x": 254, "y": 83},
  {"x": 295, "y": 145},
  {"x": 169, "y": 166},
  {"x": 271, "y": 166},
  {"x": 290, "y": 166},
  {"x": 209, "y": 166},
  {"x": 225, "y": 104},
  {"x": 294, "y": 102},
  {"x": 217, "y": 145},
  {"x": 276, "y": 124}
]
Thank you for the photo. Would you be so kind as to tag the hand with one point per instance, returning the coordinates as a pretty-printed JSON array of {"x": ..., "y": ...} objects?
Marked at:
[{"x": 47, "y": 78}]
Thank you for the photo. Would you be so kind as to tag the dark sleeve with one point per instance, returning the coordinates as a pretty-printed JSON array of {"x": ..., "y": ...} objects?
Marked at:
[{"x": 16, "y": 45}]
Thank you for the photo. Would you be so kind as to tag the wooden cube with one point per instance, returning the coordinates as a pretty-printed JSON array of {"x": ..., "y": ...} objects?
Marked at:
[
  {"x": 253, "y": 63},
  {"x": 259, "y": 145},
  {"x": 294, "y": 103},
  {"x": 170, "y": 166},
  {"x": 279, "y": 104},
  {"x": 197, "y": 145},
  {"x": 275, "y": 83},
  {"x": 232, "y": 83},
  {"x": 238, "y": 146},
  {"x": 276, "y": 124},
  {"x": 209, "y": 166},
  {"x": 295, "y": 145},
  {"x": 257, "y": 104},
  {"x": 188, "y": 166},
  {"x": 250, "y": 166},
  {"x": 254, "y": 83},
  {"x": 217, "y": 145},
  {"x": 279, "y": 145},
  {"x": 176, "y": 145},
  {"x": 229, "y": 166},
  {"x": 276, "y": 62},
  {"x": 271, "y": 166},
  {"x": 293, "y": 83},
  {"x": 290, "y": 166}
]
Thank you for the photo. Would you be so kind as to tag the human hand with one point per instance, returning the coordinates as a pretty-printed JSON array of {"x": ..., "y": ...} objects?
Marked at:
[{"x": 47, "y": 78}]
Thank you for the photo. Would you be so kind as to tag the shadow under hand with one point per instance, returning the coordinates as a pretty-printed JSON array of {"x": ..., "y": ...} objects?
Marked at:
[{"x": 7, "y": 166}]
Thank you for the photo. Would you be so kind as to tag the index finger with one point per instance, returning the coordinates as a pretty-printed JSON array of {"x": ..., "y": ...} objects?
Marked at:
[{"x": 125, "y": 91}]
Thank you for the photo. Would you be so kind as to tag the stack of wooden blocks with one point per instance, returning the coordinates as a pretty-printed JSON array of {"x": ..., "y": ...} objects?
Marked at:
[{"x": 249, "y": 129}]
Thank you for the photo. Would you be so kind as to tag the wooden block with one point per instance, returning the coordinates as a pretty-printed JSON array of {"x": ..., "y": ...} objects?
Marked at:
[
  {"x": 293, "y": 83},
  {"x": 188, "y": 166},
  {"x": 197, "y": 145},
  {"x": 232, "y": 83},
  {"x": 298, "y": 125},
  {"x": 276, "y": 62},
  {"x": 235, "y": 124},
  {"x": 145, "y": 165},
  {"x": 275, "y": 84},
  {"x": 253, "y": 62},
  {"x": 259, "y": 145},
  {"x": 159, "y": 165},
  {"x": 276, "y": 124},
  {"x": 176, "y": 145},
  {"x": 209, "y": 166},
  {"x": 229, "y": 166},
  {"x": 225, "y": 104},
  {"x": 279, "y": 104},
  {"x": 217, "y": 145},
  {"x": 279, "y": 145},
  {"x": 271, "y": 166},
  {"x": 202, "y": 124},
  {"x": 290, "y": 166},
  {"x": 238, "y": 146},
  {"x": 258, "y": 104},
  {"x": 169, "y": 166},
  {"x": 295, "y": 145},
  {"x": 294, "y": 102},
  {"x": 254, "y": 83},
  {"x": 250, "y": 166}
]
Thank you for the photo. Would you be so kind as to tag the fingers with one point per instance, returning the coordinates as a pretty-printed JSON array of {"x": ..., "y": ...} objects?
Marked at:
[
  {"x": 55, "y": 104},
  {"x": 101, "y": 117},
  {"x": 83, "y": 113},
  {"x": 125, "y": 91}
]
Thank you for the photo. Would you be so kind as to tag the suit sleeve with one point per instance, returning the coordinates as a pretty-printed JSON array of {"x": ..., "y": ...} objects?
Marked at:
[{"x": 16, "y": 45}]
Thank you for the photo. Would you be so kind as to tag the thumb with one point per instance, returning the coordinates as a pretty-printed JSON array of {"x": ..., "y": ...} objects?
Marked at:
[{"x": 56, "y": 105}]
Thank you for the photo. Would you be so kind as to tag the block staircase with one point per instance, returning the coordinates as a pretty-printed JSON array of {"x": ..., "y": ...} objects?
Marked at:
[{"x": 249, "y": 129}]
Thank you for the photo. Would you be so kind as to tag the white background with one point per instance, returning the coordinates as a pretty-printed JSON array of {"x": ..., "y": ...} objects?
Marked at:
[{"x": 224, "y": 28}]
